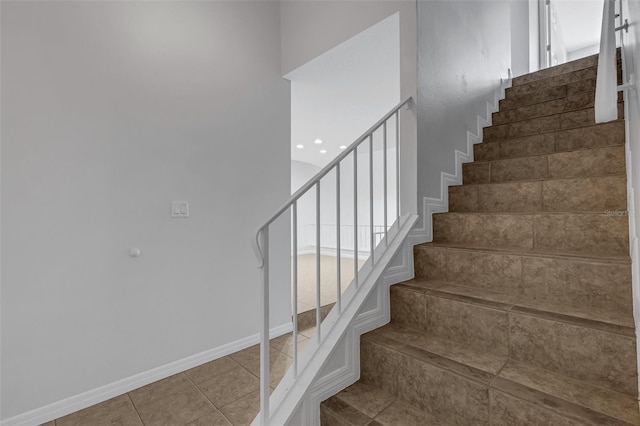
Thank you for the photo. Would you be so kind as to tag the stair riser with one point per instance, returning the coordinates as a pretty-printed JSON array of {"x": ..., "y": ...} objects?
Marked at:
[
  {"x": 574, "y": 195},
  {"x": 550, "y": 94},
  {"x": 498, "y": 272},
  {"x": 540, "y": 109},
  {"x": 598, "y": 136},
  {"x": 578, "y": 352},
  {"x": 570, "y": 103},
  {"x": 575, "y": 164},
  {"x": 601, "y": 285},
  {"x": 470, "y": 324},
  {"x": 563, "y": 121},
  {"x": 509, "y": 411},
  {"x": 560, "y": 80},
  {"x": 435, "y": 390},
  {"x": 575, "y": 233},
  {"x": 573, "y": 66}
]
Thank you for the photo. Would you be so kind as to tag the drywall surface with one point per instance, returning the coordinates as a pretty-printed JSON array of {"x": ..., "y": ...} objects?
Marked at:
[
  {"x": 310, "y": 28},
  {"x": 110, "y": 110},
  {"x": 520, "y": 35},
  {"x": 337, "y": 96},
  {"x": 464, "y": 50}
]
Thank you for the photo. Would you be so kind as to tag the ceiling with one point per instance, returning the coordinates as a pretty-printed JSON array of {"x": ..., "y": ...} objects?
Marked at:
[
  {"x": 580, "y": 22},
  {"x": 337, "y": 96}
]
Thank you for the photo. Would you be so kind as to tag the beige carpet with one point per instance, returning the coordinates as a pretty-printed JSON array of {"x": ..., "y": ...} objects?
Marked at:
[{"x": 328, "y": 282}]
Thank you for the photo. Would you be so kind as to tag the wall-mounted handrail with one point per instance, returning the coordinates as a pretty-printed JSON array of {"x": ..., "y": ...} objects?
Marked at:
[{"x": 261, "y": 242}]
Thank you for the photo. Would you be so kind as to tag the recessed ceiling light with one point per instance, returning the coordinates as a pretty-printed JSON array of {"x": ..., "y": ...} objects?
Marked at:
[
  {"x": 318, "y": 141},
  {"x": 299, "y": 146},
  {"x": 323, "y": 151},
  {"x": 343, "y": 147}
]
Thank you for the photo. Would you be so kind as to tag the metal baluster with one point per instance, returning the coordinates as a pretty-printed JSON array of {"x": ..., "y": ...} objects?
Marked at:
[
  {"x": 397, "y": 168},
  {"x": 318, "y": 305},
  {"x": 264, "y": 333},
  {"x": 294, "y": 293},
  {"x": 384, "y": 174},
  {"x": 371, "y": 233},
  {"x": 339, "y": 270},
  {"x": 355, "y": 215}
]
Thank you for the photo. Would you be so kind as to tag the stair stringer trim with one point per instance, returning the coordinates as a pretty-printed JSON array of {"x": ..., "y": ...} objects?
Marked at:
[
  {"x": 432, "y": 205},
  {"x": 341, "y": 365},
  {"x": 374, "y": 313}
]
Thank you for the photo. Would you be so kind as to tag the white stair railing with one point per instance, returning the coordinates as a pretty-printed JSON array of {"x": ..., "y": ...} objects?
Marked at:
[
  {"x": 606, "y": 104},
  {"x": 261, "y": 243}
]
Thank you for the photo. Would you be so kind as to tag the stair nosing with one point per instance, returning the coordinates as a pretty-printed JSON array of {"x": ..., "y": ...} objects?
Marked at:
[
  {"x": 625, "y": 260},
  {"x": 588, "y": 411},
  {"x": 379, "y": 340},
  {"x": 535, "y": 180},
  {"x": 545, "y": 155},
  {"x": 518, "y": 307},
  {"x": 619, "y": 120},
  {"x": 494, "y": 379},
  {"x": 594, "y": 67},
  {"x": 586, "y": 126},
  {"x": 518, "y": 97},
  {"x": 543, "y": 115}
]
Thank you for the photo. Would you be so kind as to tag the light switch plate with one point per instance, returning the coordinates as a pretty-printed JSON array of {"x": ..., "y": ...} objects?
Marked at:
[{"x": 179, "y": 209}]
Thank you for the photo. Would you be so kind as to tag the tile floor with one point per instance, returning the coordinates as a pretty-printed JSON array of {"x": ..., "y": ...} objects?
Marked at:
[{"x": 223, "y": 392}]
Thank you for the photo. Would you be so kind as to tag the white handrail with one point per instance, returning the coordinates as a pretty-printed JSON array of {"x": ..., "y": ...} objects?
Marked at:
[
  {"x": 300, "y": 192},
  {"x": 606, "y": 104},
  {"x": 261, "y": 242}
]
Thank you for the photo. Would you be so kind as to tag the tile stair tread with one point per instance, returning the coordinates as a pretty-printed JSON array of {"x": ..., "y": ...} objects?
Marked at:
[
  {"x": 584, "y": 316},
  {"x": 519, "y": 138},
  {"x": 552, "y": 103},
  {"x": 558, "y": 80},
  {"x": 551, "y": 93},
  {"x": 506, "y": 123},
  {"x": 581, "y": 150},
  {"x": 551, "y": 130},
  {"x": 511, "y": 182},
  {"x": 472, "y": 363},
  {"x": 569, "y": 397},
  {"x": 365, "y": 403},
  {"x": 518, "y": 81},
  {"x": 624, "y": 260}
]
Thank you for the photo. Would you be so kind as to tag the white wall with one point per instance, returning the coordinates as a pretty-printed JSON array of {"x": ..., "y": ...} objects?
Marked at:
[
  {"x": 110, "y": 110},
  {"x": 464, "y": 49},
  {"x": 520, "y": 35},
  {"x": 340, "y": 94},
  {"x": 310, "y": 28}
]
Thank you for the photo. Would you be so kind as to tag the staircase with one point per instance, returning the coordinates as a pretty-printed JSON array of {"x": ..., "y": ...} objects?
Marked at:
[{"x": 521, "y": 309}]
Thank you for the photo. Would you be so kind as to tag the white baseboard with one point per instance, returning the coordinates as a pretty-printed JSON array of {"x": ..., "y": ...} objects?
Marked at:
[
  {"x": 86, "y": 399},
  {"x": 431, "y": 205}
]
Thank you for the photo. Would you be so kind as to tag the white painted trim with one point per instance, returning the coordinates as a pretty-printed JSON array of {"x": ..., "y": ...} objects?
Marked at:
[
  {"x": 437, "y": 205},
  {"x": 86, "y": 399}
]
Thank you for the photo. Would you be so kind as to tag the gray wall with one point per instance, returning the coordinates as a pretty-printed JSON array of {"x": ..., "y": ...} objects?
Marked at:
[
  {"x": 110, "y": 110},
  {"x": 463, "y": 50}
]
